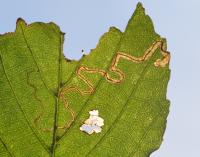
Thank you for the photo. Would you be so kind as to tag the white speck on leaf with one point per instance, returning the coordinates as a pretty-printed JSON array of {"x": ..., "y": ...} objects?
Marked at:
[{"x": 93, "y": 123}]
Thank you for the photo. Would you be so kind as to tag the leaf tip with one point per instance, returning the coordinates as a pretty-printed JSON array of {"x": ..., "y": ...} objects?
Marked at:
[
  {"x": 140, "y": 8},
  {"x": 114, "y": 29},
  {"x": 21, "y": 21},
  {"x": 139, "y": 5}
]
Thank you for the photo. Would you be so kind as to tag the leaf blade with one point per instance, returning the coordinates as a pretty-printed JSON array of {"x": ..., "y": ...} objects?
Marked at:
[{"x": 52, "y": 96}]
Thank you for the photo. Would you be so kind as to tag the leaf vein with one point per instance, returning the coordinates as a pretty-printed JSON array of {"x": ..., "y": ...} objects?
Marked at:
[{"x": 6, "y": 148}]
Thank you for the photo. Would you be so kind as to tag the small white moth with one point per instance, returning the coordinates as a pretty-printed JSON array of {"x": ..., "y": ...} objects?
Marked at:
[{"x": 93, "y": 123}]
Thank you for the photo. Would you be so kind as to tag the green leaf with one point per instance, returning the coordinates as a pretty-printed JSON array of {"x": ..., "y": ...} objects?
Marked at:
[{"x": 45, "y": 98}]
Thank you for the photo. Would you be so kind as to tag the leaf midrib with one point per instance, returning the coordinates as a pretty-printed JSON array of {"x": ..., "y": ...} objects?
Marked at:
[{"x": 53, "y": 145}]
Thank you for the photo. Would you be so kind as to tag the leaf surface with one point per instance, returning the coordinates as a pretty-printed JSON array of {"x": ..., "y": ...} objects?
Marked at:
[{"x": 45, "y": 98}]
